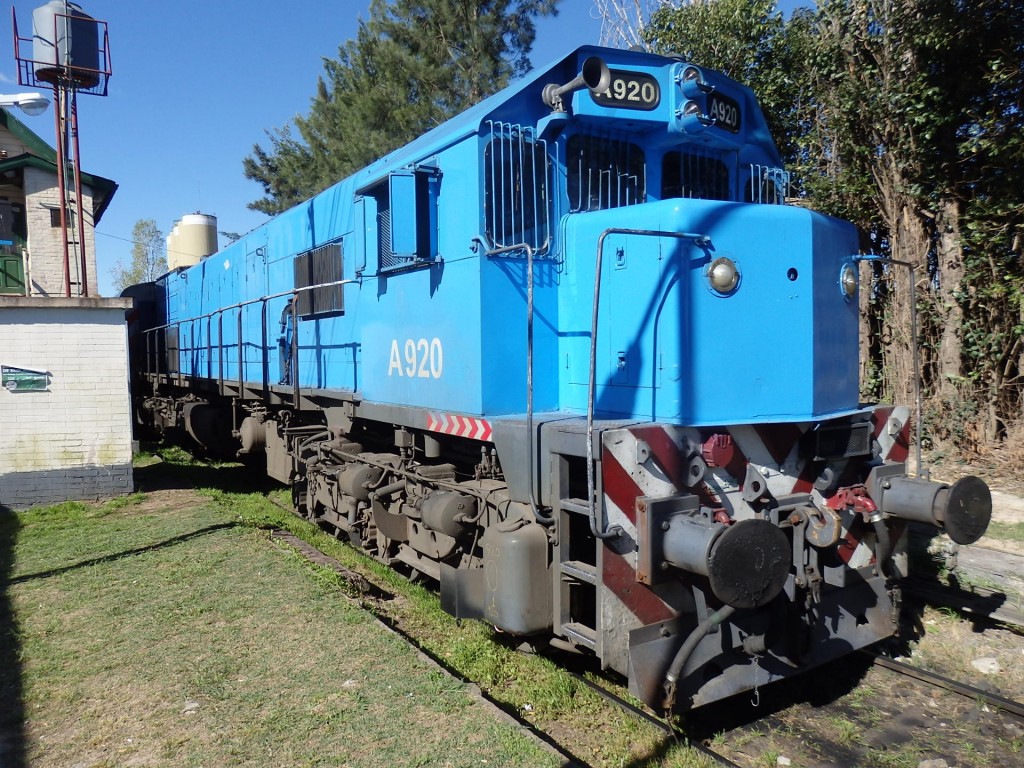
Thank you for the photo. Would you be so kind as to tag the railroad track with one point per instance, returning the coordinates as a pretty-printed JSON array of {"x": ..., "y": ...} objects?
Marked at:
[
  {"x": 366, "y": 588},
  {"x": 994, "y": 701},
  {"x": 643, "y": 714},
  {"x": 962, "y": 689},
  {"x": 369, "y": 590},
  {"x": 946, "y": 683}
]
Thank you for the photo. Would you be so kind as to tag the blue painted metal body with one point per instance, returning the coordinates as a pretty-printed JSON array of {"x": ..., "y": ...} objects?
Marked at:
[{"x": 448, "y": 332}]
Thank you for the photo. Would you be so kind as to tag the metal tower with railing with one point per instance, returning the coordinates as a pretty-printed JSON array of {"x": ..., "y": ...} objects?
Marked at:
[{"x": 69, "y": 51}]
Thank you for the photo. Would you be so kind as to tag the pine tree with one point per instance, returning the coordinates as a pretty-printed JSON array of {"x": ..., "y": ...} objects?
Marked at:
[{"x": 412, "y": 65}]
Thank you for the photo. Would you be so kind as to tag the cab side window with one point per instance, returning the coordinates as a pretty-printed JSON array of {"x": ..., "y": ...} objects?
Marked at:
[
  {"x": 694, "y": 176},
  {"x": 516, "y": 189},
  {"x": 406, "y": 217},
  {"x": 603, "y": 172}
]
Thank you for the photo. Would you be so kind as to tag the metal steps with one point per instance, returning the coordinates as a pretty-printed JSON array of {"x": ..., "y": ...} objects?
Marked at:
[
  {"x": 579, "y": 506},
  {"x": 579, "y": 634},
  {"x": 577, "y": 588},
  {"x": 579, "y": 571}
]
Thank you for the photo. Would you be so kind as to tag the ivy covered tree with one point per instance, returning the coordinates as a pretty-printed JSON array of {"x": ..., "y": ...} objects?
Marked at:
[
  {"x": 988, "y": 138},
  {"x": 906, "y": 117},
  {"x": 923, "y": 101},
  {"x": 412, "y": 65}
]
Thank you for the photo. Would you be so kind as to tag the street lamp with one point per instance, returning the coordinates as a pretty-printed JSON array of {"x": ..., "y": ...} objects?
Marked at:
[{"x": 31, "y": 104}]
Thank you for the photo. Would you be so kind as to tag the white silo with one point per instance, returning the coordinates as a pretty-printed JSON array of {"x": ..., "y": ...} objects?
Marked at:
[
  {"x": 172, "y": 247},
  {"x": 193, "y": 238}
]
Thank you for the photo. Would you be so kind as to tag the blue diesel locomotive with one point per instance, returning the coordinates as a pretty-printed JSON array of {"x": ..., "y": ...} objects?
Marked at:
[{"x": 572, "y": 356}]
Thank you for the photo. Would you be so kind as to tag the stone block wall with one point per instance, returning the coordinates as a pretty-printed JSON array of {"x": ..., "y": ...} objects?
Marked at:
[
  {"x": 73, "y": 440},
  {"x": 45, "y": 243}
]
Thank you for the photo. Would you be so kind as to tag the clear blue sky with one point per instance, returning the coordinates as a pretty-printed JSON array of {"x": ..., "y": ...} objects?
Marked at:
[{"x": 195, "y": 84}]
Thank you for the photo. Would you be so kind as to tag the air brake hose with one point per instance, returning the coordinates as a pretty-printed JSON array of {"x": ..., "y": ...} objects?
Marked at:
[
  {"x": 687, "y": 648},
  {"x": 883, "y": 548}
]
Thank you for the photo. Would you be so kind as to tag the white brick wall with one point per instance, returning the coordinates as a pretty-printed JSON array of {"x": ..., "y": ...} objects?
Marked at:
[
  {"x": 45, "y": 243},
  {"x": 11, "y": 144},
  {"x": 73, "y": 441}
]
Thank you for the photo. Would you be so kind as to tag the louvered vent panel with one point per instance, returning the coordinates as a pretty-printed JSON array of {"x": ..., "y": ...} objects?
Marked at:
[
  {"x": 388, "y": 260},
  {"x": 315, "y": 268}
]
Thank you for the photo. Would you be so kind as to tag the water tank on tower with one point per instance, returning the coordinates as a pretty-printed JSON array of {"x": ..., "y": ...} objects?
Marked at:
[
  {"x": 193, "y": 238},
  {"x": 65, "y": 45}
]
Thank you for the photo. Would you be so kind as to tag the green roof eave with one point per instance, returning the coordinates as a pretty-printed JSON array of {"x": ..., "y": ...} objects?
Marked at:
[
  {"x": 102, "y": 189},
  {"x": 36, "y": 146}
]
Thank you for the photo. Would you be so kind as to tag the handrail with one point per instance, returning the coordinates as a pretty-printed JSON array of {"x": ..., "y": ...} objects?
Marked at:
[
  {"x": 268, "y": 297},
  {"x": 541, "y": 518},
  {"x": 208, "y": 316},
  {"x": 294, "y": 368},
  {"x": 702, "y": 241},
  {"x": 241, "y": 356}
]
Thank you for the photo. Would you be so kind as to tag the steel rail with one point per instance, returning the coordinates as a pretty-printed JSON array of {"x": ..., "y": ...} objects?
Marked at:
[
  {"x": 627, "y": 705},
  {"x": 946, "y": 683}
]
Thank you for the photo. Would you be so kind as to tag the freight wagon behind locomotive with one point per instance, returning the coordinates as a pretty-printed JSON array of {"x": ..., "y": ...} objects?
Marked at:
[{"x": 573, "y": 357}]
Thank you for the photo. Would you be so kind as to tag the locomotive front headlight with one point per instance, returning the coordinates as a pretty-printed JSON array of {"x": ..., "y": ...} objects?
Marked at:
[
  {"x": 691, "y": 118},
  {"x": 848, "y": 280},
  {"x": 691, "y": 82},
  {"x": 692, "y": 73},
  {"x": 723, "y": 275}
]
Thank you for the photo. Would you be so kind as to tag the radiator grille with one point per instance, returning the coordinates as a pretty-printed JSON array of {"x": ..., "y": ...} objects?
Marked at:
[{"x": 387, "y": 257}]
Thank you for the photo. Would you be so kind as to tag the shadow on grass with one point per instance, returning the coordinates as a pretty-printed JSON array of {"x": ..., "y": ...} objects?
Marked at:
[
  {"x": 935, "y": 581},
  {"x": 171, "y": 474},
  {"x": 119, "y": 555},
  {"x": 12, "y": 705},
  {"x": 165, "y": 475}
]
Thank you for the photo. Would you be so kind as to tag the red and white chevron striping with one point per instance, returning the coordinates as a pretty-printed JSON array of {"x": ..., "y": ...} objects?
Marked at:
[
  {"x": 460, "y": 426},
  {"x": 653, "y": 460}
]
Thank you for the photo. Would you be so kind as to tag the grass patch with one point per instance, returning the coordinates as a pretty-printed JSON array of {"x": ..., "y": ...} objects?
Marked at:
[
  {"x": 172, "y": 635},
  {"x": 174, "y": 610},
  {"x": 530, "y": 685},
  {"x": 844, "y": 730},
  {"x": 1006, "y": 531},
  {"x": 899, "y": 757}
]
